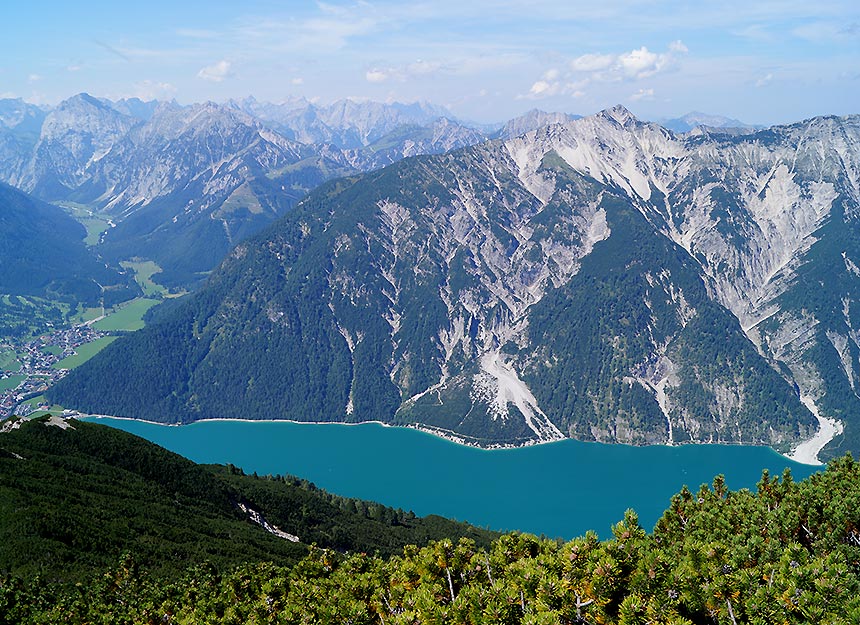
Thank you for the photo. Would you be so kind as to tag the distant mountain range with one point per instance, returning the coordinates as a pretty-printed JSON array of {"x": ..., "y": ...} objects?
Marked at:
[
  {"x": 694, "y": 120},
  {"x": 183, "y": 184},
  {"x": 601, "y": 278}
]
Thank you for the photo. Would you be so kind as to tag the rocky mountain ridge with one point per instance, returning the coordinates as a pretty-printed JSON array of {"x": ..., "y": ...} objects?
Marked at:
[
  {"x": 183, "y": 184},
  {"x": 601, "y": 278}
]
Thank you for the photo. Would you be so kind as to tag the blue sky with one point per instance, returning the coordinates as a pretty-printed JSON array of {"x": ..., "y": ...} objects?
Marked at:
[{"x": 761, "y": 62}]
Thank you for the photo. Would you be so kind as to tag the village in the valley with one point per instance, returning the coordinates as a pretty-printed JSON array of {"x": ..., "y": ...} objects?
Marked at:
[{"x": 35, "y": 368}]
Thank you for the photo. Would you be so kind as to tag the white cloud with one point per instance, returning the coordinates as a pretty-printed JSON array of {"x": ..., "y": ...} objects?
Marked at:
[
  {"x": 642, "y": 63},
  {"x": 634, "y": 65},
  {"x": 543, "y": 88},
  {"x": 592, "y": 68},
  {"x": 376, "y": 75},
  {"x": 761, "y": 82},
  {"x": 298, "y": 80},
  {"x": 216, "y": 72},
  {"x": 592, "y": 62},
  {"x": 152, "y": 90},
  {"x": 33, "y": 78},
  {"x": 643, "y": 94}
]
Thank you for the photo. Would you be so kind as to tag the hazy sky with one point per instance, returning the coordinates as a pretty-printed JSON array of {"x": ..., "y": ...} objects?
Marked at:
[{"x": 761, "y": 62}]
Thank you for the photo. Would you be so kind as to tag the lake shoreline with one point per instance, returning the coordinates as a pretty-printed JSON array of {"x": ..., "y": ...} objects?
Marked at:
[
  {"x": 452, "y": 437},
  {"x": 563, "y": 489}
]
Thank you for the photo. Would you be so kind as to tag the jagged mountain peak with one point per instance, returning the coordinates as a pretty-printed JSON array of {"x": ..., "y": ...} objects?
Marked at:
[
  {"x": 134, "y": 107},
  {"x": 208, "y": 118},
  {"x": 83, "y": 100},
  {"x": 612, "y": 147},
  {"x": 620, "y": 114},
  {"x": 83, "y": 112},
  {"x": 83, "y": 96},
  {"x": 271, "y": 110},
  {"x": 209, "y": 110}
]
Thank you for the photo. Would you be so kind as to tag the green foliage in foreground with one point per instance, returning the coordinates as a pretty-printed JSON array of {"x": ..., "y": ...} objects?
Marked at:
[
  {"x": 789, "y": 553},
  {"x": 72, "y": 501}
]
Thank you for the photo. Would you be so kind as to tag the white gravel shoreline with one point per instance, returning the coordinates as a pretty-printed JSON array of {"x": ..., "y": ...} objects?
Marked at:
[{"x": 804, "y": 453}]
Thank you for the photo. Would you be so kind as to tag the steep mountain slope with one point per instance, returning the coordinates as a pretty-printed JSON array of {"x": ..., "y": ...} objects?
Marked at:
[
  {"x": 75, "y": 495},
  {"x": 74, "y": 136},
  {"x": 20, "y": 126},
  {"x": 42, "y": 254},
  {"x": 758, "y": 213},
  {"x": 602, "y": 279},
  {"x": 188, "y": 183}
]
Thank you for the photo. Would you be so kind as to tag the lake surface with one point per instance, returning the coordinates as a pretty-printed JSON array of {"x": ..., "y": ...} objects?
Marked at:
[{"x": 560, "y": 489}]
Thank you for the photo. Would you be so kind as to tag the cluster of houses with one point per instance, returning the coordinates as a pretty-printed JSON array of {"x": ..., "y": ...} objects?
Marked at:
[{"x": 37, "y": 359}]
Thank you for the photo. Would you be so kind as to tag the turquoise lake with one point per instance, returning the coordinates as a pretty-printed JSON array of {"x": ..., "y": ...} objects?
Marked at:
[{"x": 560, "y": 489}]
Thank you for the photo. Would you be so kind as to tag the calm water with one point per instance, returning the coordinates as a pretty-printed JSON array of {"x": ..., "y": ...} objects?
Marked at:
[{"x": 561, "y": 489}]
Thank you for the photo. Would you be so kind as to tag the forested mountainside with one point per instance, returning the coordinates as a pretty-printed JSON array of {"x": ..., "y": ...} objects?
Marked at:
[
  {"x": 42, "y": 254},
  {"x": 602, "y": 279},
  {"x": 75, "y": 496},
  {"x": 788, "y": 553}
]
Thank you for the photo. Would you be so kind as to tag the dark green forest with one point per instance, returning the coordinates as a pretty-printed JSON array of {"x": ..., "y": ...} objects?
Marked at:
[
  {"x": 42, "y": 255},
  {"x": 788, "y": 552},
  {"x": 72, "y": 501}
]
